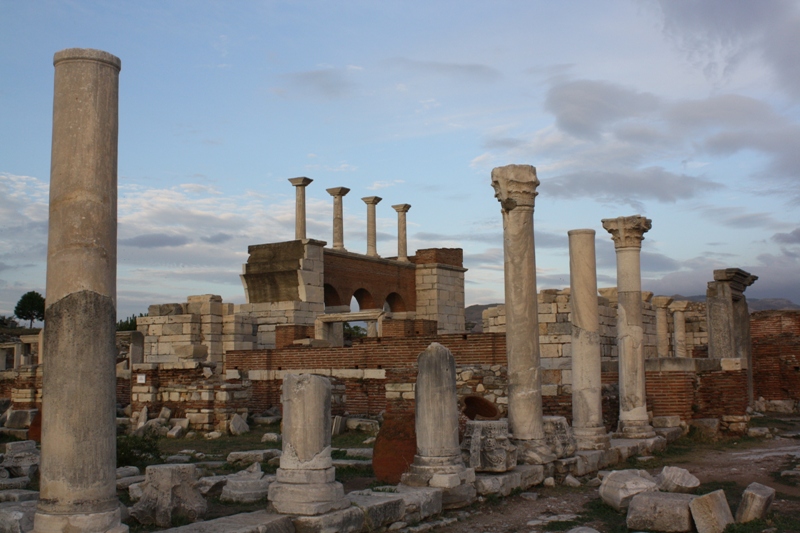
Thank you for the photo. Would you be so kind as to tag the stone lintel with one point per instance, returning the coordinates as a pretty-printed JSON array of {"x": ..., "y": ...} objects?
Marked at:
[
  {"x": 627, "y": 232},
  {"x": 738, "y": 279},
  {"x": 679, "y": 306},
  {"x": 662, "y": 301}
]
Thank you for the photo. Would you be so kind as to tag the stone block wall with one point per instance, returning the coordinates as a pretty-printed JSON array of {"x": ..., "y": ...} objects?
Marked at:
[{"x": 440, "y": 295}]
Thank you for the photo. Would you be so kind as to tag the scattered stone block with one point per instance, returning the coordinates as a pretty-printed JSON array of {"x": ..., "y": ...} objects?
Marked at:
[
  {"x": 20, "y": 419},
  {"x": 14, "y": 483},
  {"x": 620, "y": 486},
  {"x": 379, "y": 509},
  {"x": 18, "y": 495},
  {"x": 660, "y": 511},
  {"x": 178, "y": 459},
  {"x": 17, "y": 517},
  {"x": 135, "y": 491},
  {"x": 337, "y": 425},
  {"x": 708, "y": 427},
  {"x": 711, "y": 512},
  {"x": 175, "y": 433},
  {"x": 271, "y": 437},
  {"x": 666, "y": 421},
  {"x": 266, "y": 420},
  {"x": 350, "y": 520},
  {"x": 420, "y": 502},
  {"x": 165, "y": 414},
  {"x": 125, "y": 482},
  {"x": 755, "y": 503},
  {"x": 127, "y": 471},
  {"x": 169, "y": 491},
  {"x": 211, "y": 435},
  {"x": 674, "y": 479},
  {"x": 583, "y": 529},
  {"x": 549, "y": 482},
  {"x": 238, "y": 426},
  {"x": 759, "y": 433},
  {"x": 363, "y": 424},
  {"x": 21, "y": 458},
  {"x": 571, "y": 481},
  {"x": 669, "y": 434},
  {"x": 501, "y": 484},
  {"x": 250, "y": 456},
  {"x": 211, "y": 486},
  {"x": 255, "y": 522}
]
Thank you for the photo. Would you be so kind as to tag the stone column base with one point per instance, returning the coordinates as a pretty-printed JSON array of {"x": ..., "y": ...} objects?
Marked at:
[
  {"x": 107, "y": 522},
  {"x": 533, "y": 452},
  {"x": 592, "y": 438},
  {"x": 307, "y": 492},
  {"x": 635, "y": 429},
  {"x": 449, "y": 474}
]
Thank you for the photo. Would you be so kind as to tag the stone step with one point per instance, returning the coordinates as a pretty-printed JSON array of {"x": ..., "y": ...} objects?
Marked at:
[{"x": 256, "y": 522}]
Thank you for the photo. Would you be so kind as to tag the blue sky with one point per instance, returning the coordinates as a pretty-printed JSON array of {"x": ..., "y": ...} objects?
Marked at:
[{"x": 686, "y": 112}]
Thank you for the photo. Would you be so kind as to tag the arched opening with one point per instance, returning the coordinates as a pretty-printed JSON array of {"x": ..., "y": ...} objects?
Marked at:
[
  {"x": 395, "y": 303},
  {"x": 364, "y": 299},
  {"x": 331, "y": 296}
]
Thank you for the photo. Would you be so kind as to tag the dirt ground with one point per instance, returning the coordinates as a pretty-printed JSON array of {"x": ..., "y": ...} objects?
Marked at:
[{"x": 731, "y": 466}]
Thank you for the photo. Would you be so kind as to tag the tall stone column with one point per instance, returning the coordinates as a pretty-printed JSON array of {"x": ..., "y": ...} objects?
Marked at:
[
  {"x": 679, "y": 327},
  {"x": 372, "y": 237},
  {"x": 300, "y": 185},
  {"x": 662, "y": 327},
  {"x": 587, "y": 392},
  {"x": 438, "y": 462},
  {"x": 628, "y": 234},
  {"x": 338, "y": 216},
  {"x": 402, "y": 235},
  {"x": 515, "y": 188},
  {"x": 305, "y": 482},
  {"x": 78, "y": 468}
]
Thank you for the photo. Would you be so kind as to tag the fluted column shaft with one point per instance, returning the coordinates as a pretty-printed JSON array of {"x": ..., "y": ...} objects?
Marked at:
[
  {"x": 662, "y": 327},
  {"x": 338, "y": 216},
  {"x": 628, "y": 233},
  {"x": 587, "y": 401},
  {"x": 78, "y": 467},
  {"x": 300, "y": 185}
]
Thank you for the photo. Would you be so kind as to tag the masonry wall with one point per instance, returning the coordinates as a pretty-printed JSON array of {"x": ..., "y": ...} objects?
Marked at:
[{"x": 776, "y": 355}]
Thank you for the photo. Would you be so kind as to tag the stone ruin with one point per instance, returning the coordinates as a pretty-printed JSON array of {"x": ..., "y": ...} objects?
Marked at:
[{"x": 297, "y": 294}]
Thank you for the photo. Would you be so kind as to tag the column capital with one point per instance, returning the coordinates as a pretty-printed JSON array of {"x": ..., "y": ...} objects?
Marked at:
[
  {"x": 627, "y": 232},
  {"x": 338, "y": 191},
  {"x": 679, "y": 306},
  {"x": 372, "y": 200},
  {"x": 515, "y": 185},
  {"x": 402, "y": 208},
  {"x": 738, "y": 279},
  {"x": 662, "y": 301},
  {"x": 300, "y": 182}
]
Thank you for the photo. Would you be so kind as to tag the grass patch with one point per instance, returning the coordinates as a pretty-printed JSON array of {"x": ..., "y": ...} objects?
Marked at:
[
  {"x": 562, "y": 525},
  {"x": 598, "y": 511},
  {"x": 351, "y": 439},
  {"x": 219, "y": 447},
  {"x": 775, "y": 523},
  {"x": 346, "y": 473}
]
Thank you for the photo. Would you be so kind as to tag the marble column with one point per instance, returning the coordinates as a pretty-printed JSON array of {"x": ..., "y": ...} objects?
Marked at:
[
  {"x": 628, "y": 234},
  {"x": 305, "y": 481},
  {"x": 300, "y": 185},
  {"x": 372, "y": 238},
  {"x": 402, "y": 234},
  {"x": 438, "y": 461},
  {"x": 79, "y": 433},
  {"x": 515, "y": 189},
  {"x": 587, "y": 391},
  {"x": 679, "y": 327},
  {"x": 338, "y": 216},
  {"x": 662, "y": 327}
]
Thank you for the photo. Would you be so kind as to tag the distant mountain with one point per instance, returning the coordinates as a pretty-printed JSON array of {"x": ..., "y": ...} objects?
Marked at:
[{"x": 474, "y": 315}]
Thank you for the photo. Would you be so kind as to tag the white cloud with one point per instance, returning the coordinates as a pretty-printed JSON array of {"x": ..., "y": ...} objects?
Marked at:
[{"x": 377, "y": 185}]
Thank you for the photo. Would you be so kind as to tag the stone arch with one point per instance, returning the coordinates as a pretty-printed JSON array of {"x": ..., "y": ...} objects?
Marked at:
[
  {"x": 396, "y": 303},
  {"x": 331, "y": 296},
  {"x": 364, "y": 299}
]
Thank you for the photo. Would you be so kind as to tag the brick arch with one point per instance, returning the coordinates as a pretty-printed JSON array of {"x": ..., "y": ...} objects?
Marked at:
[
  {"x": 332, "y": 297},
  {"x": 396, "y": 303},
  {"x": 364, "y": 299}
]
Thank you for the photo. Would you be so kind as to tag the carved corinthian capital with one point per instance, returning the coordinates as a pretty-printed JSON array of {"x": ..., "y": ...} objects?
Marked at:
[
  {"x": 515, "y": 185},
  {"x": 627, "y": 232}
]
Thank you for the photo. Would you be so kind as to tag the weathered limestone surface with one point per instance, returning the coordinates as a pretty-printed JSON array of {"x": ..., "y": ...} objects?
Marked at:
[
  {"x": 305, "y": 482},
  {"x": 515, "y": 189},
  {"x": 755, "y": 503},
  {"x": 247, "y": 486},
  {"x": 21, "y": 458},
  {"x": 338, "y": 216},
  {"x": 587, "y": 408},
  {"x": 661, "y": 304},
  {"x": 620, "y": 486},
  {"x": 674, "y": 479},
  {"x": 486, "y": 447},
  {"x": 711, "y": 512},
  {"x": 628, "y": 234},
  {"x": 169, "y": 491},
  {"x": 78, "y": 481},
  {"x": 402, "y": 234},
  {"x": 658, "y": 511},
  {"x": 372, "y": 235},
  {"x": 300, "y": 185},
  {"x": 255, "y": 522},
  {"x": 438, "y": 461}
]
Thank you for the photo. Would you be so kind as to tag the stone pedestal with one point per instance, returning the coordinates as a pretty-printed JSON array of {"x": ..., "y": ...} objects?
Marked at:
[
  {"x": 338, "y": 216},
  {"x": 587, "y": 393},
  {"x": 486, "y": 446},
  {"x": 372, "y": 238},
  {"x": 78, "y": 470},
  {"x": 402, "y": 238},
  {"x": 628, "y": 234},
  {"x": 300, "y": 185},
  {"x": 662, "y": 327},
  {"x": 515, "y": 188},
  {"x": 679, "y": 327},
  {"x": 438, "y": 461},
  {"x": 305, "y": 483}
]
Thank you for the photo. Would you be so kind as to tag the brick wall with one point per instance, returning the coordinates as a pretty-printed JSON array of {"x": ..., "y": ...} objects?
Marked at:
[{"x": 776, "y": 354}]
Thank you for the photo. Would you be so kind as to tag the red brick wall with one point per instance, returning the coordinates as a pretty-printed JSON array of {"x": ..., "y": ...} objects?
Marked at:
[
  {"x": 671, "y": 393},
  {"x": 444, "y": 256},
  {"x": 409, "y": 328},
  {"x": 286, "y": 334},
  {"x": 776, "y": 354},
  {"x": 123, "y": 391},
  {"x": 347, "y": 273},
  {"x": 720, "y": 393}
]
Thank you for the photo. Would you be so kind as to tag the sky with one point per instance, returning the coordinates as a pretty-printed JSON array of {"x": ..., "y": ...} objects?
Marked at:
[{"x": 682, "y": 111}]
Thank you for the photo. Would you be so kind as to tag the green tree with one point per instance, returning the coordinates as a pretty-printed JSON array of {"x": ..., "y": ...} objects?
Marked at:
[
  {"x": 30, "y": 307},
  {"x": 128, "y": 324}
]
